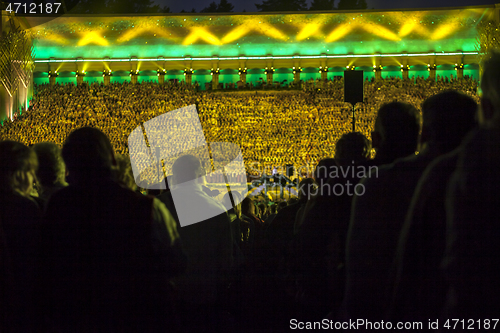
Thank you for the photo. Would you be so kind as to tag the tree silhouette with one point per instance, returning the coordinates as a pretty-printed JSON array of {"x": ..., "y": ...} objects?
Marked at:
[
  {"x": 322, "y": 5},
  {"x": 225, "y": 7},
  {"x": 212, "y": 8},
  {"x": 222, "y": 7},
  {"x": 281, "y": 5}
]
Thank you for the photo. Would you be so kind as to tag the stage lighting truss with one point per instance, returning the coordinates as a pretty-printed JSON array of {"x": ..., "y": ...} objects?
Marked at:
[
  {"x": 378, "y": 68},
  {"x": 351, "y": 67},
  {"x": 431, "y": 67},
  {"x": 459, "y": 66},
  {"x": 297, "y": 70},
  {"x": 161, "y": 72},
  {"x": 80, "y": 73},
  {"x": 323, "y": 69},
  {"x": 188, "y": 71},
  {"x": 214, "y": 71},
  {"x": 53, "y": 74},
  {"x": 269, "y": 71},
  {"x": 134, "y": 72},
  {"x": 405, "y": 68},
  {"x": 242, "y": 71},
  {"x": 107, "y": 72}
]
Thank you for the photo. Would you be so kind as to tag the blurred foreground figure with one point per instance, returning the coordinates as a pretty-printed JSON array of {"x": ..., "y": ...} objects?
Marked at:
[
  {"x": 107, "y": 253},
  {"x": 473, "y": 210},
  {"x": 206, "y": 238},
  {"x": 19, "y": 231}
]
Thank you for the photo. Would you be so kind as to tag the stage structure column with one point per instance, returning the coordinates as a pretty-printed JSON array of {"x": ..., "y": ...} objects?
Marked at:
[
  {"x": 215, "y": 78},
  {"x": 460, "y": 70},
  {"x": 106, "y": 75},
  {"x": 377, "y": 67},
  {"x": 432, "y": 71},
  {"x": 269, "y": 75},
  {"x": 161, "y": 75},
  {"x": 323, "y": 70},
  {"x": 52, "y": 77},
  {"x": 459, "y": 67},
  {"x": 188, "y": 73},
  {"x": 378, "y": 72},
  {"x": 134, "y": 74},
  {"x": 79, "y": 71},
  {"x": 405, "y": 69},
  {"x": 242, "y": 72},
  {"x": 79, "y": 77},
  {"x": 296, "y": 74}
]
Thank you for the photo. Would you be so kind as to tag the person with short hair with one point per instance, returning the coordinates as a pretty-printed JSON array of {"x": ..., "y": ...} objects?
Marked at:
[
  {"x": 472, "y": 209},
  {"x": 396, "y": 131},
  {"x": 378, "y": 214},
  {"x": 105, "y": 248},
  {"x": 204, "y": 227},
  {"x": 51, "y": 171},
  {"x": 418, "y": 285},
  {"x": 20, "y": 219}
]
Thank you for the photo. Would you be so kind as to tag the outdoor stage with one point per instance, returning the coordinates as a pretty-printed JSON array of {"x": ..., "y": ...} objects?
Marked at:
[{"x": 198, "y": 47}]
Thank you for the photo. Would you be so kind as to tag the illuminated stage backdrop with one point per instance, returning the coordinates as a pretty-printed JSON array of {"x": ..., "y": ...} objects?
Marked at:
[{"x": 205, "y": 41}]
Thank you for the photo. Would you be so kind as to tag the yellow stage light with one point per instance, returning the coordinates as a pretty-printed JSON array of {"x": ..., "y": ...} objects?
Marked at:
[
  {"x": 339, "y": 32},
  {"x": 443, "y": 31},
  {"x": 57, "y": 38},
  {"x": 451, "y": 25},
  {"x": 235, "y": 34},
  {"x": 139, "y": 31},
  {"x": 269, "y": 30},
  {"x": 308, "y": 30},
  {"x": 201, "y": 33},
  {"x": 380, "y": 31},
  {"x": 92, "y": 38}
]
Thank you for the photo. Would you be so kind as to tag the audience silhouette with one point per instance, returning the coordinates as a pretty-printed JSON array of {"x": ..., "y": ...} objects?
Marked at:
[{"x": 403, "y": 232}]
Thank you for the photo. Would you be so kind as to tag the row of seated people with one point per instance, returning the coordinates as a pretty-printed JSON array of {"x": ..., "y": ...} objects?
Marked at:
[
  {"x": 403, "y": 237},
  {"x": 278, "y": 129}
]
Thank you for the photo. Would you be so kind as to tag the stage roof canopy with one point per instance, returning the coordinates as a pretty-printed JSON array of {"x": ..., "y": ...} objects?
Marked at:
[{"x": 336, "y": 38}]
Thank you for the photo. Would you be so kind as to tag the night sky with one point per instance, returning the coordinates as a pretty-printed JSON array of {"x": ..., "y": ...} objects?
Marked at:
[{"x": 239, "y": 5}]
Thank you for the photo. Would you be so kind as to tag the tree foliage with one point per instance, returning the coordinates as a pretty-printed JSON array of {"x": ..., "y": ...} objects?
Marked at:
[
  {"x": 322, "y": 5},
  {"x": 222, "y": 7}
]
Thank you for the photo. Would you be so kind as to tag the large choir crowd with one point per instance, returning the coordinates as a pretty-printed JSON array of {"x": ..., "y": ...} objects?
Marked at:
[{"x": 271, "y": 128}]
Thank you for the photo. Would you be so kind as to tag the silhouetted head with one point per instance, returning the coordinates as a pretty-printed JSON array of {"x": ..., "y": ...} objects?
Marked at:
[
  {"x": 306, "y": 187},
  {"x": 18, "y": 165},
  {"x": 396, "y": 131},
  {"x": 247, "y": 207},
  {"x": 51, "y": 167},
  {"x": 186, "y": 168},
  {"x": 88, "y": 155},
  {"x": 353, "y": 146},
  {"x": 447, "y": 118}
]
